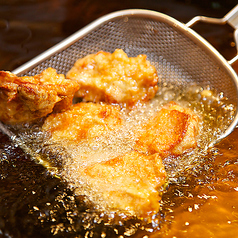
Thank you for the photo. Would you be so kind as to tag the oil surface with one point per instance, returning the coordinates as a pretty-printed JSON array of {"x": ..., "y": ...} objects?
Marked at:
[{"x": 200, "y": 200}]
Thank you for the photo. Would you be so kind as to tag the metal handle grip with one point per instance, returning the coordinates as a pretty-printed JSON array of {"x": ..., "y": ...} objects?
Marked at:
[{"x": 230, "y": 18}]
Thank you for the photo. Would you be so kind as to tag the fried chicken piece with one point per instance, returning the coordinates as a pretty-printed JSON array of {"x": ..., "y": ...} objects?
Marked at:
[
  {"x": 115, "y": 78},
  {"x": 83, "y": 121},
  {"x": 24, "y": 99},
  {"x": 130, "y": 182},
  {"x": 173, "y": 130}
]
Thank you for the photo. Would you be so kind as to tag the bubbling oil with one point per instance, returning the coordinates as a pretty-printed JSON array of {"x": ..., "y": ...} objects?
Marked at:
[
  {"x": 213, "y": 108},
  {"x": 215, "y": 113}
]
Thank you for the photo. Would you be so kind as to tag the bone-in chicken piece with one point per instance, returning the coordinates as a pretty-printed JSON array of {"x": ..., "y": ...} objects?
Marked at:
[
  {"x": 83, "y": 121},
  {"x": 24, "y": 99},
  {"x": 130, "y": 182},
  {"x": 173, "y": 130},
  {"x": 115, "y": 78}
]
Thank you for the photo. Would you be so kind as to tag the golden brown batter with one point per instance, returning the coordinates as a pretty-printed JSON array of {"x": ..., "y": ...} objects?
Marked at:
[
  {"x": 83, "y": 121},
  {"x": 24, "y": 99},
  {"x": 173, "y": 130},
  {"x": 115, "y": 78},
  {"x": 130, "y": 182}
]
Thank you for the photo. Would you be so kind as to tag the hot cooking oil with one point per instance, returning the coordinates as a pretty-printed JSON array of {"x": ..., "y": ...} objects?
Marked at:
[{"x": 200, "y": 182}]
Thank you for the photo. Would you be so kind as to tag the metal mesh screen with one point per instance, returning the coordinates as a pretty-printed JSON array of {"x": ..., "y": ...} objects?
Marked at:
[{"x": 178, "y": 58}]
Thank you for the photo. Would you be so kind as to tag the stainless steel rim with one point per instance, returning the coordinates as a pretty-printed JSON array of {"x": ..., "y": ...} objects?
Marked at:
[{"x": 148, "y": 14}]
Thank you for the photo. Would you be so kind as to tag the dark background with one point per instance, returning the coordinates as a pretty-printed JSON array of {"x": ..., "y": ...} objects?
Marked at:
[{"x": 29, "y": 27}]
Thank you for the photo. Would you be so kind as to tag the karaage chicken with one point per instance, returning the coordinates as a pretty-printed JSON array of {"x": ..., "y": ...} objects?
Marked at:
[
  {"x": 114, "y": 159},
  {"x": 24, "y": 99},
  {"x": 131, "y": 182},
  {"x": 115, "y": 78},
  {"x": 127, "y": 176},
  {"x": 173, "y": 130},
  {"x": 82, "y": 121}
]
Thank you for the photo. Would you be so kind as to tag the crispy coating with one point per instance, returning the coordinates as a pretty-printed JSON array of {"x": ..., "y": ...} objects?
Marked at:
[
  {"x": 24, "y": 99},
  {"x": 115, "y": 78},
  {"x": 83, "y": 121},
  {"x": 173, "y": 130},
  {"x": 129, "y": 182}
]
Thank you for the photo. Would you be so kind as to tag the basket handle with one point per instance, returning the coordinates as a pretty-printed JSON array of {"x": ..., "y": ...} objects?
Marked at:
[{"x": 230, "y": 18}]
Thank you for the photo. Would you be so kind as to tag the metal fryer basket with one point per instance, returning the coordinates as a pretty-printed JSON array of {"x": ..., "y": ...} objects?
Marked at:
[{"x": 179, "y": 54}]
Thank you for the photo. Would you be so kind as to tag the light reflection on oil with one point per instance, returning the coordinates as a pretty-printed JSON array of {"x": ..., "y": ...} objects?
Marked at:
[{"x": 200, "y": 202}]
